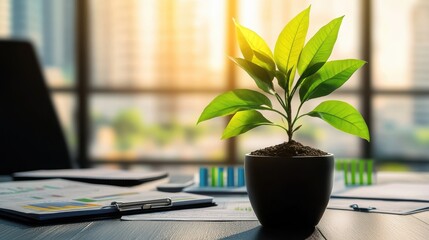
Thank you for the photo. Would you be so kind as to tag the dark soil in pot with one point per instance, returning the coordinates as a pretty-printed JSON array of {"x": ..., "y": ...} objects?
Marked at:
[{"x": 289, "y": 149}]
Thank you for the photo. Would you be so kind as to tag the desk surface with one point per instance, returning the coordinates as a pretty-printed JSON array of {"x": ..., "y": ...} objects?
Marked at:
[{"x": 335, "y": 224}]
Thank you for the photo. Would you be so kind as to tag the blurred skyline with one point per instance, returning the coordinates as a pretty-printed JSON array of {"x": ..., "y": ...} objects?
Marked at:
[{"x": 176, "y": 51}]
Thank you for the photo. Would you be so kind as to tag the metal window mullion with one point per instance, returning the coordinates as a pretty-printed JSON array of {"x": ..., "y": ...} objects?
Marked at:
[
  {"x": 412, "y": 92},
  {"x": 366, "y": 87},
  {"x": 127, "y": 90},
  {"x": 82, "y": 63},
  {"x": 62, "y": 90},
  {"x": 232, "y": 11}
]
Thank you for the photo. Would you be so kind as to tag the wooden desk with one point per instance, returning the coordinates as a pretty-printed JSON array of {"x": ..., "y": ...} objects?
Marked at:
[{"x": 335, "y": 224}]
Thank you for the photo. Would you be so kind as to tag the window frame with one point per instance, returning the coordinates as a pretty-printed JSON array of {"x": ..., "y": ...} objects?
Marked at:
[{"x": 365, "y": 93}]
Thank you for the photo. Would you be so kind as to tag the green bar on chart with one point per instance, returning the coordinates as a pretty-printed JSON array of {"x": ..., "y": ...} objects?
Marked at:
[
  {"x": 369, "y": 166},
  {"x": 213, "y": 176},
  {"x": 361, "y": 171},
  {"x": 353, "y": 170},
  {"x": 338, "y": 165},
  {"x": 345, "y": 167}
]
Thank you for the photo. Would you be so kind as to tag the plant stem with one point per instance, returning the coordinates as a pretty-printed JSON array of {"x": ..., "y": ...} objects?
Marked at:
[
  {"x": 289, "y": 120},
  {"x": 285, "y": 107},
  {"x": 298, "y": 83},
  {"x": 297, "y": 114},
  {"x": 280, "y": 126},
  {"x": 274, "y": 110},
  {"x": 281, "y": 101},
  {"x": 291, "y": 123},
  {"x": 273, "y": 124}
]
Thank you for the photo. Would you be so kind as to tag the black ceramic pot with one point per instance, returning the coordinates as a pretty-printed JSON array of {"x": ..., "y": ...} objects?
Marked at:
[{"x": 289, "y": 193}]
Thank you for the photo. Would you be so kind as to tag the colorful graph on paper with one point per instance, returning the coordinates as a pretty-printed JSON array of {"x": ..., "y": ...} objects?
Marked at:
[{"x": 60, "y": 206}]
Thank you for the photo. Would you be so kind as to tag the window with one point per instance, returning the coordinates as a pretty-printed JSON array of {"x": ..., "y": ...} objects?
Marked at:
[
  {"x": 151, "y": 66},
  {"x": 154, "y": 66},
  {"x": 401, "y": 79},
  {"x": 183, "y": 69}
]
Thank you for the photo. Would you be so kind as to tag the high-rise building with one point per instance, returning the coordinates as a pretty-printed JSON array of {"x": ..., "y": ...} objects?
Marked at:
[
  {"x": 49, "y": 25},
  {"x": 26, "y": 22},
  {"x": 157, "y": 44},
  {"x": 420, "y": 64},
  {"x": 4, "y": 18}
]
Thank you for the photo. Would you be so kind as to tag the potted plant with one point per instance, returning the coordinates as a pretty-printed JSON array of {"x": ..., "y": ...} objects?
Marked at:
[{"x": 289, "y": 184}]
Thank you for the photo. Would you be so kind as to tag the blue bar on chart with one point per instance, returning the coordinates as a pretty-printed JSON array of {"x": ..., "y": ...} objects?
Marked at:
[
  {"x": 220, "y": 177},
  {"x": 240, "y": 180},
  {"x": 204, "y": 177},
  {"x": 230, "y": 177}
]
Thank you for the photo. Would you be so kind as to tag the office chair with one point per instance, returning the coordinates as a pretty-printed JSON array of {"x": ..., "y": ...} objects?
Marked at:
[{"x": 31, "y": 137}]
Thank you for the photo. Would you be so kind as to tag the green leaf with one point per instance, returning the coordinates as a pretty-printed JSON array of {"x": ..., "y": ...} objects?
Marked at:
[
  {"x": 254, "y": 48},
  {"x": 342, "y": 116},
  {"x": 318, "y": 49},
  {"x": 234, "y": 101},
  {"x": 261, "y": 76},
  {"x": 281, "y": 78},
  {"x": 290, "y": 43},
  {"x": 329, "y": 78},
  {"x": 244, "y": 121}
]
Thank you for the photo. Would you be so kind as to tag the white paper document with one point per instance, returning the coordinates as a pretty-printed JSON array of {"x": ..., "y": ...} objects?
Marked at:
[
  {"x": 391, "y": 191},
  {"x": 97, "y": 173},
  {"x": 227, "y": 209},
  {"x": 393, "y": 198}
]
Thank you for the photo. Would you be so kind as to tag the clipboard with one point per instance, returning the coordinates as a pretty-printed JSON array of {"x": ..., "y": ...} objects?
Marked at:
[{"x": 58, "y": 200}]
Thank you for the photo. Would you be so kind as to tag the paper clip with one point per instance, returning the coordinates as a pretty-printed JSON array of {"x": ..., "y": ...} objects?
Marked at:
[
  {"x": 142, "y": 205},
  {"x": 361, "y": 209}
]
